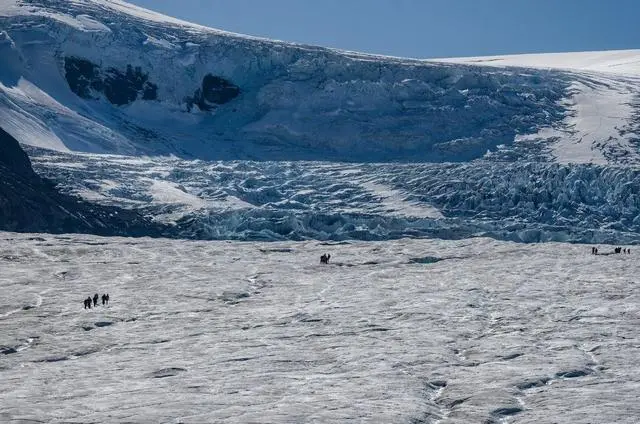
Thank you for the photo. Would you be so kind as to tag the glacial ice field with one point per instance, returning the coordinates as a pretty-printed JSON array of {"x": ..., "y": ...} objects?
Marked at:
[
  {"x": 404, "y": 331},
  {"x": 430, "y": 183},
  {"x": 297, "y": 200}
]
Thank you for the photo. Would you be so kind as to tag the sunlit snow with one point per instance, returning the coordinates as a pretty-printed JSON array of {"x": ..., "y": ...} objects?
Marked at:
[
  {"x": 415, "y": 331},
  {"x": 623, "y": 62},
  {"x": 305, "y": 102}
]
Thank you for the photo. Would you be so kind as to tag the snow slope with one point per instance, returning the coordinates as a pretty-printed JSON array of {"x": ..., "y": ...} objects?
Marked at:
[
  {"x": 410, "y": 331},
  {"x": 108, "y": 77},
  {"x": 619, "y": 62},
  {"x": 602, "y": 124}
]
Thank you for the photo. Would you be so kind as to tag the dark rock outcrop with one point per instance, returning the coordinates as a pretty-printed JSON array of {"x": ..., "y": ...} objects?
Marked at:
[
  {"x": 82, "y": 76},
  {"x": 86, "y": 79},
  {"x": 214, "y": 91},
  {"x": 29, "y": 203}
]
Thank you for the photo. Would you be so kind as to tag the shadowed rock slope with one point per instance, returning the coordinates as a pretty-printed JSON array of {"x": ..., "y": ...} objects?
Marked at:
[{"x": 29, "y": 203}]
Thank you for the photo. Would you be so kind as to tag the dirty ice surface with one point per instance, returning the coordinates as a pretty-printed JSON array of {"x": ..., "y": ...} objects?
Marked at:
[{"x": 405, "y": 331}]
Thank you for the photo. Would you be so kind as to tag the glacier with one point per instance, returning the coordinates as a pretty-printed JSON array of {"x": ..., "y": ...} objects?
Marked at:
[
  {"x": 101, "y": 77},
  {"x": 224, "y": 136},
  {"x": 300, "y": 200},
  {"x": 204, "y": 332},
  {"x": 455, "y": 197}
]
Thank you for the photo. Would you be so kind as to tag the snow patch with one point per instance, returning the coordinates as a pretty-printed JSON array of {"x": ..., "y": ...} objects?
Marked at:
[
  {"x": 159, "y": 42},
  {"x": 167, "y": 192},
  {"x": 88, "y": 23},
  {"x": 394, "y": 203},
  {"x": 623, "y": 62},
  {"x": 598, "y": 110}
]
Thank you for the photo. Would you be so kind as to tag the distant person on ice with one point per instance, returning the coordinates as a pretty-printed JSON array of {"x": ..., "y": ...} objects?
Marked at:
[
  {"x": 87, "y": 303},
  {"x": 324, "y": 259},
  {"x": 95, "y": 299},
  {"x": 105, "y": 299}
]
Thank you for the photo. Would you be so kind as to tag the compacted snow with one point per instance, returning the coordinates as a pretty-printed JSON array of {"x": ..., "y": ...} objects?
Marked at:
[
  {"x": 406, "y": 331},
  {"x": 622, "y": 62}
]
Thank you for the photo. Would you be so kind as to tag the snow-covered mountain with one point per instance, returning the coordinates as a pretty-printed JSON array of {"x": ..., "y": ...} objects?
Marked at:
[
  {"x": 106, "y": 76},
  {"x": 127, "y": 107}
]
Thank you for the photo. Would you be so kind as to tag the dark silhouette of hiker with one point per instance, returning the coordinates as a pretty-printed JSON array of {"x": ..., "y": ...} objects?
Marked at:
[
  {"x": 593, "y": 250},
  {"x": 95, "y": 299},
  {"x": 104, "y": 299},
  {"x": 88, "y": 302},
  {"x": 323, "y": 259},
  {"x": 85, "y": 304}
]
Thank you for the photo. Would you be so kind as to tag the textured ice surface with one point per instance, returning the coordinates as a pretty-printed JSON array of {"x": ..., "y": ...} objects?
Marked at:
[
  {"x": 204, "y": 332},
  {"x": 519, "y": 201}
]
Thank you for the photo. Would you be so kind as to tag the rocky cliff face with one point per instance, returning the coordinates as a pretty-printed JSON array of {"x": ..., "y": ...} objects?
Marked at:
[
  {"x": 86, "y": 79},
  {"x": 29, "y": 203}
]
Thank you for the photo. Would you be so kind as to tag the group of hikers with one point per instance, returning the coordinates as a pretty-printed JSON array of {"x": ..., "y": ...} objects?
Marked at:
[
  {"x": 324, "y": 259},
  {"x": 89, "y": 300},
  {"x": 627, "y": 251}
]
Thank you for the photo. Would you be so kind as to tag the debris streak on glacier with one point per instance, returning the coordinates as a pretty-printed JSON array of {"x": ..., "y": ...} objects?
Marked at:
[{"x": 412, "y": 331}]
